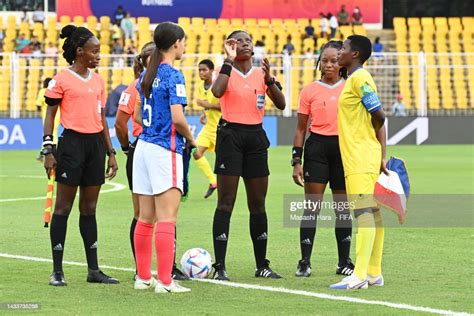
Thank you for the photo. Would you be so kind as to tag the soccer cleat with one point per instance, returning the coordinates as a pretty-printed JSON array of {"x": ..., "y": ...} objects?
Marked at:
[
  {"x": 220, "y": 273},
  {"x": 376, "y": 280},
  {"x": 350, "y": 283},
  {"x": 346, "y": 269},
  {"x": 144, "y": 285},
  {"x": 174, "y": 287},
  {"x": 57, "y": 279},
  {"x": 177, "y": 274},
  {"x": 304, "y": 268},
  {"x": 266, "y": 272},
  {"x": 212, "y": 188},
  {"x": 97, "y": 276}
]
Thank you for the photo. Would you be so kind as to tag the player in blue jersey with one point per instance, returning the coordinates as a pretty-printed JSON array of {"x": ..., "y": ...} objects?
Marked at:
[{"x": 158, "y": 161}]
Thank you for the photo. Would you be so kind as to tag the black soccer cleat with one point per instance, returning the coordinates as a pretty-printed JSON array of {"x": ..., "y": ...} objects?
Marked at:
[
  {"x": 211, "y": 190},
  {"x": 57, "y": 279},
  {"x": 346, "y": 269},
  {"x": 304, "y": 268},
  {"x": 178, "y": 275},
  {"x": 97, "y": 276},
  {"x": 266, "y": 272},
  {"x": 220, "y": 273}
]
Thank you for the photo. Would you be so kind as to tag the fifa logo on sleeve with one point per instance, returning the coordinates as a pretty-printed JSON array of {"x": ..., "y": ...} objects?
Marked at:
[{"x": 260, "y": 101}]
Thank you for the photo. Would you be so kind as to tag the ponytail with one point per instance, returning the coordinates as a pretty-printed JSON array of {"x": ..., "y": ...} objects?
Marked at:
[
  {"x": 150, "y": 74},
  {"x": 137, "y": 66}
]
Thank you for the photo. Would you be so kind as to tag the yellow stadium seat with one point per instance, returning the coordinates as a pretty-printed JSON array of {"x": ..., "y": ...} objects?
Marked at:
[
  {"x": 454, "y": 22},
  {"x": 263, "y": 23},
  {"x": 413, "y": 22},
  {"x": 211, "y": 24},
  {"x": 223, "y": 22},
  {"x": 360, "y": 30},
  {"x": 104, "y": 23},
  {"x": 237, "y": 23},
  {"x": 468, "y": 22},
  {"x": 441, "y": 22},
  {"x": 197, "y": 23},
  {"x": 78, "y": 20},
  {"x": 92, "y": 23},
  {"x": 427, "y": 22},
  {"x": 64, "y": 20},
  {"x": 184, "y": 21}
]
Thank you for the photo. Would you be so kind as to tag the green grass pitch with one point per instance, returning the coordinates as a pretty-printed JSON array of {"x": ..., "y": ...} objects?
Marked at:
[{"x": 429, "y": 267}]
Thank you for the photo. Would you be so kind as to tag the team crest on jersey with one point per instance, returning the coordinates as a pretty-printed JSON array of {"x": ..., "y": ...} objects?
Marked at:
[
  {"x": 124, "y": 98},
  {"x": 51, "y": 84},
  {"x": 180, "y": 90},
  {"x": 260, "y": 101},
  {"x": 156, "y": 83}
]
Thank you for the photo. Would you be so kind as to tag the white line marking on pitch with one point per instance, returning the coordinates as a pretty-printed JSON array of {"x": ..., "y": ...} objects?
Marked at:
[
  {"x": 115, "y": 187},
  {"x": 273, "y": 289}
]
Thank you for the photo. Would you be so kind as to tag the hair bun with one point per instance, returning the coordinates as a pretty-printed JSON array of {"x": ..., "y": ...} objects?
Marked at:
[{"x": 67, "y": 31}]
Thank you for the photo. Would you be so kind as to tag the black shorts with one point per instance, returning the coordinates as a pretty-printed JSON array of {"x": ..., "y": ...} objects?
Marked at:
[
  {"x": 241, "y": 150},
  {"x": 129, "y": 167},
  {"x": 80, "y": 159},
  {"x": 323, "y": 162}
]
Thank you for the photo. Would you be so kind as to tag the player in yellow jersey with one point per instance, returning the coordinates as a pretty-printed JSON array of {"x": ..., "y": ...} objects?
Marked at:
[
  {"x": 362, "y": 141},
  {"x": 41, "y": 106},
  {"x": 206, "y": 139}
]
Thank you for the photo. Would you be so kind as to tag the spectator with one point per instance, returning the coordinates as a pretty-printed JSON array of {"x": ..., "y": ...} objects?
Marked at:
[
  {"x": 25, "y": 17},
  {"x": 333, "y": 25},
  {"x": 117, "y": 49},
  {"x": 259, "y": 53},
  {"x": 309, "y": 30},
  {"x": 21, "y": 42},
  {"x": 116, "y": 31},
  {"x": 377, "y": 48},
  {"x": 51, "y": 49},
  {"x": 398, "y": 108},
  {"x": 127, "y": 26},
  {"x": 343, "y": 16},
  {"x": 35, "y": 43},
  {"x": 324, "y": 25},
  {"x": 38, "y": 14},
  {"x": 289, "y": 48},
  {"x": 357, "y": 17},
  {"x": 36, "y": 51},
  {"x": 119, "y": 14},
  {"x": 131, "y": 50}
]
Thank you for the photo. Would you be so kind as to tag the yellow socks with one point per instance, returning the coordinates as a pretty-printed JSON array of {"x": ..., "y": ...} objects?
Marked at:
[
  {"x": 203, "y": 164},
  {"x": 364, "y": 244},
  {"x": 375, "y": 263}
]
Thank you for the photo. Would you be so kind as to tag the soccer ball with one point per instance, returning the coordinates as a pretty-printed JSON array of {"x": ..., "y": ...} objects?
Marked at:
[{"x": 196, "y": 263}]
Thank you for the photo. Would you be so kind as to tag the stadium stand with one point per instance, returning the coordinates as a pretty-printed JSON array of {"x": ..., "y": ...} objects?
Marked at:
[{"x": 449, "y": 81}]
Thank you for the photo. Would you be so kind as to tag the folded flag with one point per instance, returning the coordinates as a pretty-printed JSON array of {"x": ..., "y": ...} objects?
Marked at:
[
  {"x": 187, "y": 154},
  {"x": 393, "y": 190}
]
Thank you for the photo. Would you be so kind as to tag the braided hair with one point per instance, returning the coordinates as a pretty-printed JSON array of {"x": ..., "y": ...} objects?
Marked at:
[
  {"x": 75, "y": 37},
  {"x": 141, "y": 60},
  {"x": 232, "y": 35},
  {"x": 332, "y": 44}
]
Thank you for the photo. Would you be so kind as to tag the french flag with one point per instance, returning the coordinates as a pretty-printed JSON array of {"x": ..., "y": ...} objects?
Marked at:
[{"x": 392, "y": 190}]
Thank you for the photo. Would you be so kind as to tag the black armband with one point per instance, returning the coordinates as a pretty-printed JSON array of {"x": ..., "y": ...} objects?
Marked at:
[
  {"x": 52, "y": 101},
  {"x": 297, "y": 152},
  {"x": 226, "y": 69}
]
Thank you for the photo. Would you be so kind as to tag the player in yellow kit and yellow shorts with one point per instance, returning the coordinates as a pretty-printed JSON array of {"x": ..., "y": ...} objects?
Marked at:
[
  {"x": 41, "y": 106},
  {"x": 362, "y": 141},
  {"x": 206, "y": 139}
]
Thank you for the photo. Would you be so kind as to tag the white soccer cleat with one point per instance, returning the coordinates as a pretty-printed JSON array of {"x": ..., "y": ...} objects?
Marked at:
[
  {"x": 376, "y": 280},
  {"x": 174, "y": 287},
  {"x": 350, "y": 283},
  {"x": 144, "y": 284}
]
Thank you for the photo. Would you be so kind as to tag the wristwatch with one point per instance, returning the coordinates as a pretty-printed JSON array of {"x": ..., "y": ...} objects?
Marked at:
[
  {"x": 270, "y": 82},
  {"x": 295, "y": 161},
  {"x": 111, "y": 152},
  {"x": 46, "y": 151}
]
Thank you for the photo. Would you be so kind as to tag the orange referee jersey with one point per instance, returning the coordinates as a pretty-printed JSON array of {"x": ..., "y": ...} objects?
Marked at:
[
  {"x": 127, "y": 102},
  {"x": 320, "y": 101},
  {"x": 83, "y": 100},
  {"x": 244, "y": 99}
]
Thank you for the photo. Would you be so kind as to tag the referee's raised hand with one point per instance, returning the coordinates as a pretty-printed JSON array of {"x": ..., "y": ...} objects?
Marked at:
[{"x": 230, "y": 47}]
